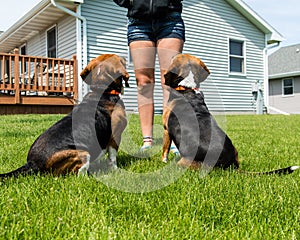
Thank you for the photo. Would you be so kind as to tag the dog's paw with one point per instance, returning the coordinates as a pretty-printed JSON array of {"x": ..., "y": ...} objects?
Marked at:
[
  {"x": 84, "y": 169},
  {"x": 112, "y": 164},
  {"x": 85, "y": 157}
]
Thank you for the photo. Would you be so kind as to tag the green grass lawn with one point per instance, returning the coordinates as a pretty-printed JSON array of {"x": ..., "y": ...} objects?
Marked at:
[{"x": 150, "y": 200}]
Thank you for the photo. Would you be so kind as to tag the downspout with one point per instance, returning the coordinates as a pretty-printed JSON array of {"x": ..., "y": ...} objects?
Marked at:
[
  {"x": 266, "y": 69},
  {"x": 81, "y": 44}
]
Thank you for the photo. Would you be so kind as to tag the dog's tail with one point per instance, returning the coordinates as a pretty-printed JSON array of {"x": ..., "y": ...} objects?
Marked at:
[
  {"x": 28, "y": 168},
  {"x": 280, "y": 171}
]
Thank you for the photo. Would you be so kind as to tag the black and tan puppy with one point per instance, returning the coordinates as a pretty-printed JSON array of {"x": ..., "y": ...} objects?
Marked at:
[
  {"x": 92, "y": 128},
  {"x": 188, "y": 122}
]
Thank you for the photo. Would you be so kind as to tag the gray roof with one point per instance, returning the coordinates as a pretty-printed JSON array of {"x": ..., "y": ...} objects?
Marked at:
[{"x": 285, "y": 62}]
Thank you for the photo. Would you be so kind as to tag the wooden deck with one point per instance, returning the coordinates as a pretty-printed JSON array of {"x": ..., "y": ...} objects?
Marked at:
[{"x": 30, "y": 82}]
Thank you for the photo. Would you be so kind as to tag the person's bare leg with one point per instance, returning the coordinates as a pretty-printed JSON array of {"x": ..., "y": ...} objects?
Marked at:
[
  {"x": 143, "y": 54},
  {"x": 146, "y": 103},
  {"x": 167, "y": 48}
]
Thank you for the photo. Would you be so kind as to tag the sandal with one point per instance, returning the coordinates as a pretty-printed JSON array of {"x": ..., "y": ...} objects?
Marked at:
[{"x": 174, "y": 150}]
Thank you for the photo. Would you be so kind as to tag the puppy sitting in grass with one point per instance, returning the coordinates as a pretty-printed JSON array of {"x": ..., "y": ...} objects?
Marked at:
[
  {"x": 189, "y": 124},
  {"x": 93, "y": 128}
]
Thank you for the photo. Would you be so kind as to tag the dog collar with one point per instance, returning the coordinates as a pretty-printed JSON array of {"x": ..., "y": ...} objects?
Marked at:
[
  {"x": 180, "y": 88},
  {"x": 183, "y": 88},
  {"x": 113, "y": 92}
]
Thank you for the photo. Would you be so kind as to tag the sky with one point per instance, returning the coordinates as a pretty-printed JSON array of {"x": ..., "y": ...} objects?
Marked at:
[{"x": 284, "y": 16}]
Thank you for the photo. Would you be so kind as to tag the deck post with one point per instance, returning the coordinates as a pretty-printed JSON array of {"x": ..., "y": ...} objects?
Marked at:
[
  {"x": 75, "y": 77},
  {"x": 17, "y": 76}
]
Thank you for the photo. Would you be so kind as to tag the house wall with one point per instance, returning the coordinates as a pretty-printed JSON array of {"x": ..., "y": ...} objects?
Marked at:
[
  {"x": 209, "y": 25},
  {"x": 289, "y": 104},
  {"x": 36, "y": 46},
  {"x": 66, "y": 39}
]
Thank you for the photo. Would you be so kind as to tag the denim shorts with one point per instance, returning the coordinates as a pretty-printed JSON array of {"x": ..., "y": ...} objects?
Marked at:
[{"x": 171, "y": 26}]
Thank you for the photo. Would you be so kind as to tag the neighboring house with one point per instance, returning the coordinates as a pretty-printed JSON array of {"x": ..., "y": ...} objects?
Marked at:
[
  {"x": 226, "y": 34},
  {"x": 284, "y": 80}
]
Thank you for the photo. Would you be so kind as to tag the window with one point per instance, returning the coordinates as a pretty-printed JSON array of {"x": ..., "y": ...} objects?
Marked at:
[
  {"x": 236, "y": 56},
  {"x": 51, "y": 43},
  {"x": 288, "y": 86},
  {"x": 23, "y": 50}
]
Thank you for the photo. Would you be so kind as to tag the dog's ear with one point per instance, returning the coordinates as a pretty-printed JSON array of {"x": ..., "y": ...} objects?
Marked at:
[
  {"x": 126, "y": 81},
  {"x": 171, "y": 79},
  {"x": 124, "y": 73},
  {"x": 168, "y": 78},
  {"x": 86, "y": 73},
  {"x": 199, "y": 69},
  {"x": 115, "y": 67},
  {"x": 174, "y": 73}
]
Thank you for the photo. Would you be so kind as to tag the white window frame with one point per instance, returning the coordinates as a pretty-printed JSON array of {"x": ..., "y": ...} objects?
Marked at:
[
  {"x": 283, "y": 87},
  {"x": 244, "y": 70}
]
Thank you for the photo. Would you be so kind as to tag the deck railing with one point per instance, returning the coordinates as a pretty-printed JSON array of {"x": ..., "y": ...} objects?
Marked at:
[{"x": 22, "y": 75}]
